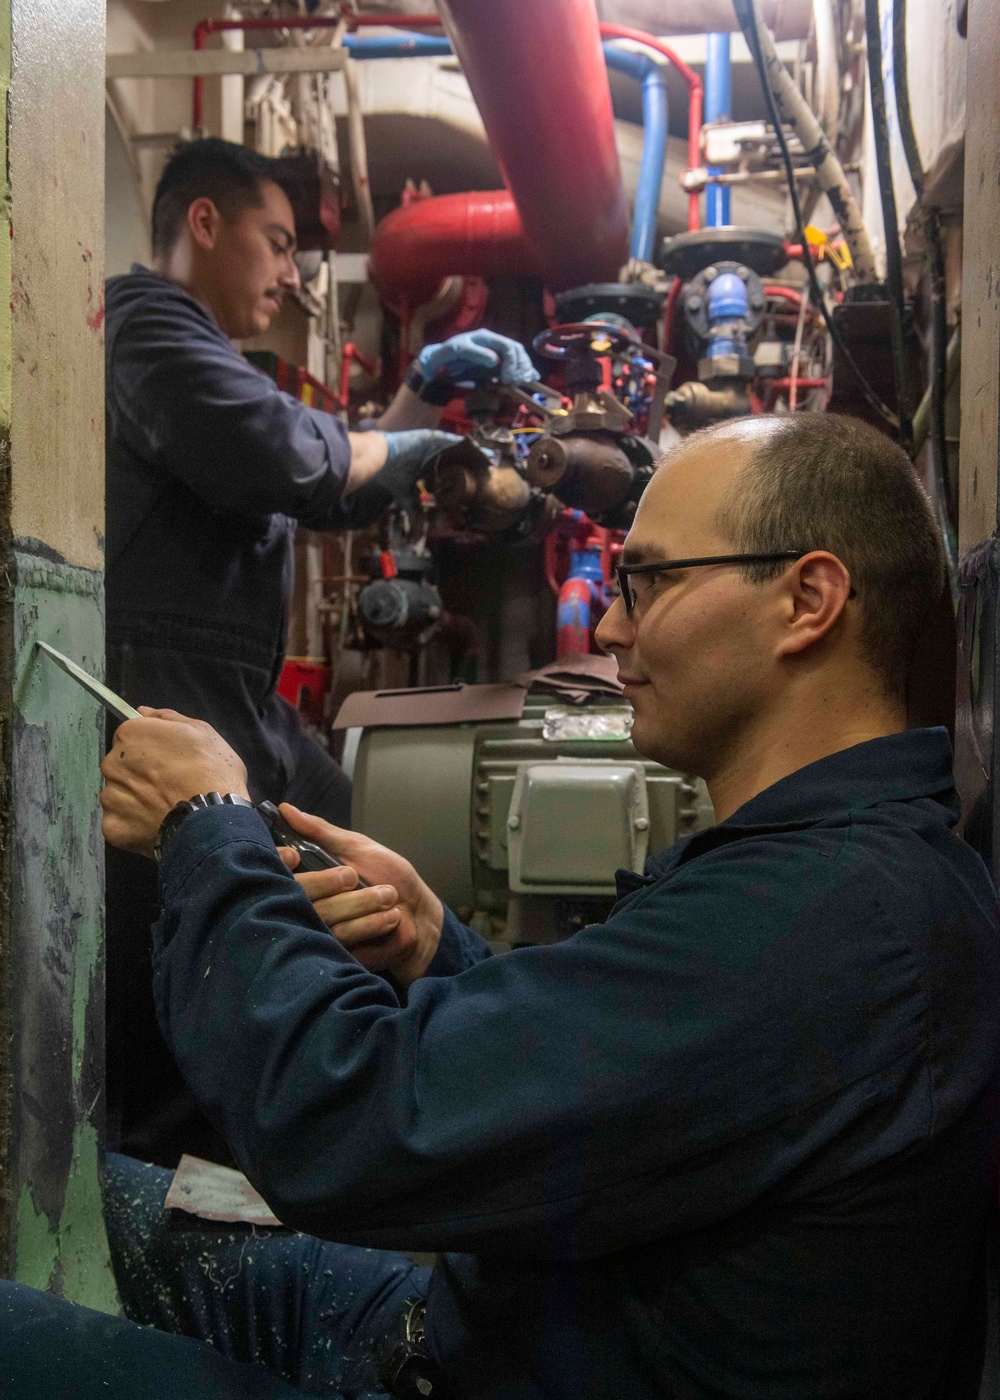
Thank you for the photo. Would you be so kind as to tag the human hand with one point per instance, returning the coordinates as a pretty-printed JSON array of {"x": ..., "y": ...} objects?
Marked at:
[
  {"x": 409, "y": 456},
  {"x": 478, "y": 356},
  {"x": 156, "y": 762},
  {"x": 394, "y": 926}
]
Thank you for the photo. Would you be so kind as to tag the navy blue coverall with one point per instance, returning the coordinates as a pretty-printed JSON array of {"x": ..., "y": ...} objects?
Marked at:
[
  {"x": 738, "y": 1141},
  {"x": 210, "y": 467}
]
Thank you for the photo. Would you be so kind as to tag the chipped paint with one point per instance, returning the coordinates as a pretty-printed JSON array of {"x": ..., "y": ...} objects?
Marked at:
[{"x": 57, "y": 933}]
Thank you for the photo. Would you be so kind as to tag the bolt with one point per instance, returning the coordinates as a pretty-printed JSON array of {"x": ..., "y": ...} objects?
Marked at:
[
  {"x": 693, "y": 302},
  {"x": 514, "y": 822},
  {"x": 710, "y": 274},
  {"x": 743, "y": 273},
  {"x": 641, "y": 823}
]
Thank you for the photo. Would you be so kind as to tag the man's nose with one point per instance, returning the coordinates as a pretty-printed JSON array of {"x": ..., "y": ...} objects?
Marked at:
[
  {"x": 290, "y": 276},
  {"x": 615, "y": 628}
]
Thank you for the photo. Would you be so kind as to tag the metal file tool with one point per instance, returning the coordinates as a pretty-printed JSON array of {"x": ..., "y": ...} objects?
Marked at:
[
  {"x": 311, "y": 856},
  {"x": 111, "y": 702}
]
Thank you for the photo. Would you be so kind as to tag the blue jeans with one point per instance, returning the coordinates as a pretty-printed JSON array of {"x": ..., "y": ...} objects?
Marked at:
[{"x": 271, "y": 1304}]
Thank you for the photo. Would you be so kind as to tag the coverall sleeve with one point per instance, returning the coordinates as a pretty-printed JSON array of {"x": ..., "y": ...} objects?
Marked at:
[
  {"x": 644, "y": 1077},
  {"x": 203, "y": 414}
]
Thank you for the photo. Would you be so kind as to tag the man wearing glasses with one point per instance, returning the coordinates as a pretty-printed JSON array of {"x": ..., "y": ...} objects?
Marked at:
[{"x": 738, "y": 1141}]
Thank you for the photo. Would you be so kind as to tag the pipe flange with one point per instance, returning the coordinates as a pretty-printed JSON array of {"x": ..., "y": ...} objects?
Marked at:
[{"x": 686, "y": 254}]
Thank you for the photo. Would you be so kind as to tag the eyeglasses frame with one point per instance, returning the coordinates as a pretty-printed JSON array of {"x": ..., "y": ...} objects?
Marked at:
[{"x": 624, "y": 571}]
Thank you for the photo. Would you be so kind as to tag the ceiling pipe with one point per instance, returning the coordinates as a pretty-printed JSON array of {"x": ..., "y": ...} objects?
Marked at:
[
  {"x": 419, "y": 244},
  {"x": 538, "y": 77}
]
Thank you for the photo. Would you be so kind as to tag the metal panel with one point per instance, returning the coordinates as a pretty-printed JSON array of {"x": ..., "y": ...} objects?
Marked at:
[{"x": 573, "y": 824}]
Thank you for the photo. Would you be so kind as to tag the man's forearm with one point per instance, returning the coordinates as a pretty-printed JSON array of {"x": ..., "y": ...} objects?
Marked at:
[{"x": 368, "y": 454}]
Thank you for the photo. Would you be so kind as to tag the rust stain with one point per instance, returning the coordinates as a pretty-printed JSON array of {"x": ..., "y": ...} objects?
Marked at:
[{"x": 96, "y": 318}]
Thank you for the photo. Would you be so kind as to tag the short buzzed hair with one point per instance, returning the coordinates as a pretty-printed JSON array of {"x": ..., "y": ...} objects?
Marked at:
[
  {"x": 825, "y": 481},
  {"x": 227, "y": 174}
]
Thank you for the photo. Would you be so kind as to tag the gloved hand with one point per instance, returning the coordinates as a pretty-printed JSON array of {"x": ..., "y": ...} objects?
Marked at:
[
  {"x": 409, "y": 455},
  {"x": 477, "y": 356}
]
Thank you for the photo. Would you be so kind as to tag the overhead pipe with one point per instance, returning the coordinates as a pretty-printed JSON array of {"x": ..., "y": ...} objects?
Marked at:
[
  {"x": 718, "y": 107},
  {"x": 418, "y": 245},
  {"x": 538, "y": 78},
  {"x": 696, "y": 94},
  {"x": 655, "y": 123}
]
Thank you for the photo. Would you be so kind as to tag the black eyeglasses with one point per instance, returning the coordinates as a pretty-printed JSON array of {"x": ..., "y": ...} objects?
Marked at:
[{"x": 624, "y": 571}]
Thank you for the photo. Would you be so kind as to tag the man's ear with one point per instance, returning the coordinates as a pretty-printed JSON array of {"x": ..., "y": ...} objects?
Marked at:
[
  {"x": 203, "y": 219},
  {"x": 817, "y": 589}
]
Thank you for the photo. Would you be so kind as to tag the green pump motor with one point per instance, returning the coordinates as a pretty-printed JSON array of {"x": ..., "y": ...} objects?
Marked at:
[{"x": 515, "y": 807}]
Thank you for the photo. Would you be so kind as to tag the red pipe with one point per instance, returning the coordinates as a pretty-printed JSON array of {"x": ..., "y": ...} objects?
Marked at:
[
  {"x": 351, "y": 352},
  {"x": 418, "y": 245},
  {"x": 538, "y": 76}
]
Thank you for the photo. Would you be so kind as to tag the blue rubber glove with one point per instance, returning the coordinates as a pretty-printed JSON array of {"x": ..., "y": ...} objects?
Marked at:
[
  {"x": 477, "y": 356},
  {"x": 410, "y": 455}
]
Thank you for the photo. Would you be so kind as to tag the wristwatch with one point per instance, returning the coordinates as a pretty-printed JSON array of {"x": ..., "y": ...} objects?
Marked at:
[
  {"x": 201, "y": 800},
  {"x": 433, "y": 391}
]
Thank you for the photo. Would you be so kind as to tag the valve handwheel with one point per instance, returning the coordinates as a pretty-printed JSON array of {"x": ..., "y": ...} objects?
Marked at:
[{"x": 581, "y": 338}]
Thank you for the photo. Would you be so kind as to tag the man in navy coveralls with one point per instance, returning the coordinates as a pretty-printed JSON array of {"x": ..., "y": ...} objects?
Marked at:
[
  {"x": 738, "y": 1141},
  {"x": 210, "y": 468}
]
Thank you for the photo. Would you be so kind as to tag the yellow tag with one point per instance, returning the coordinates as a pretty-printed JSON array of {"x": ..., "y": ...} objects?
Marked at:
[{"x": 600, "y": 347}]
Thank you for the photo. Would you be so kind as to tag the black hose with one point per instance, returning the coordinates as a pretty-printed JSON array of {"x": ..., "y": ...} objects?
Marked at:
[
  {"x": 748, "y": 23},
  {"x": 893, "y": 257},
  {"x": 902, "y": 90}
]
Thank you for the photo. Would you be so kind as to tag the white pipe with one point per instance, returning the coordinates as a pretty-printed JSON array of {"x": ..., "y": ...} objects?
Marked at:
[
  {"x": 827, "y": 89},
  {"x": 358, "y": 152},
  {"x": 796, "y": 112}
]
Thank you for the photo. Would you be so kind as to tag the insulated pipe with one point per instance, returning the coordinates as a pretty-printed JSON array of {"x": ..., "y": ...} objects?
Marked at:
[
  {"x": 655, "y": 113},
  {"x": 718, "y": 107},
  {"x": 419, "y": 244},
  {"x": 537, "y": 75},
  {"x": 796, "y": 112}
]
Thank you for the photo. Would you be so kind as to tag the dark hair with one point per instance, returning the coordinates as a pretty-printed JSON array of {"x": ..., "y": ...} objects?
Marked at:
[
  {"x": 825, "y": 481},
  {"x": 227, "y": 174}
]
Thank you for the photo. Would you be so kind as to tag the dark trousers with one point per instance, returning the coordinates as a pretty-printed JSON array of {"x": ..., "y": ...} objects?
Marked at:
[
  {"x": 268, "y": 1314},
  {"x": 150, "y": 1111}
]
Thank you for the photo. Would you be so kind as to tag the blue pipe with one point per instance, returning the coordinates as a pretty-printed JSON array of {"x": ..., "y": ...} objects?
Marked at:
[
  {"x": 389, "y": 46},
  {"x": 718, "y": 107},
  {"x": 654, "y": 114},
  {"x": 654, "y": 143}
]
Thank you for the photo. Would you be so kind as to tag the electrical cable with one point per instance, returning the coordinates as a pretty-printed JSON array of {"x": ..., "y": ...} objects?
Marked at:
[
  {"x": 890, "y": 221},
  {"x": 746, "y": 11}
]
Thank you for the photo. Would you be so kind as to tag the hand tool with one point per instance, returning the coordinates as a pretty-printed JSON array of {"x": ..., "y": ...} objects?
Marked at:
[{"x": 311, "y": 856}]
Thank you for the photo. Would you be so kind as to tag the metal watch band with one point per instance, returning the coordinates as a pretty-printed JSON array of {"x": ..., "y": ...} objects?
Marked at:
[{"x": 200, "y": 801}]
